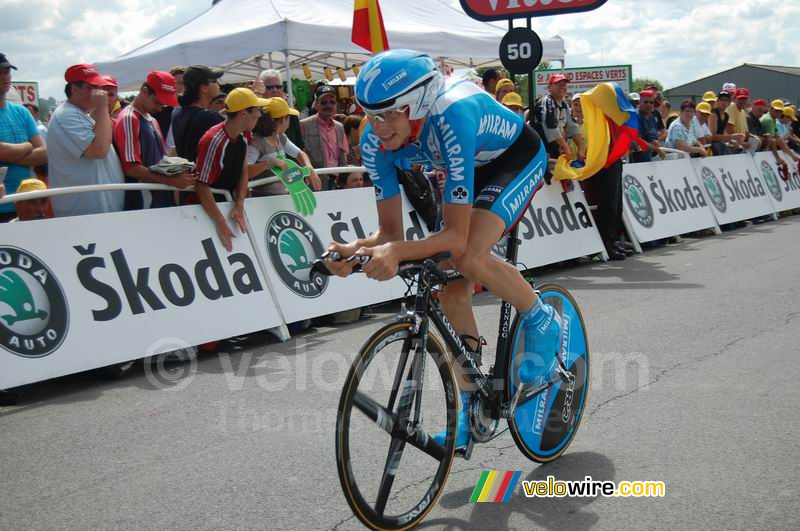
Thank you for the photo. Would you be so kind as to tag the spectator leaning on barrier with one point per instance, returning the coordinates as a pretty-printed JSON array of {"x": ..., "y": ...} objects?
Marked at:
[
  {"x": 326, "y": 143},
  {"x": 680, "y": 134},
  {"x": 32, "y": 209},
  {"x": 271, "y": 86},
  {"x": 648, "y": 128},
  {"x": 140, "y": 144},
  {"x": 718, "y": 122},
  {"x": 221, "y": 160},
  {"x": 79, "y": 146},
  {"x": 758, "y": 132},
  {"x": 772, "y": 127},
  {"x": 503, "y": 87},
  {"x": 34, "y": 110},
  {"x": 490, "y": 79},
  {"x": 700, "y": 123},
  {"x": 269, "y": 142},
  {"x": 556, "y": 120},
  {"x": 789, "y": 119},
  {"x": 191, "y": 121},
  {"x": 21, "y": 145}
]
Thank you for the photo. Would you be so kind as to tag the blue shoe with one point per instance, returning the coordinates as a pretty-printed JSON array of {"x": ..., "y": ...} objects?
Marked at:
[
  {"x": 542, "y": 329},
  {"x": 463, "y": 434}
]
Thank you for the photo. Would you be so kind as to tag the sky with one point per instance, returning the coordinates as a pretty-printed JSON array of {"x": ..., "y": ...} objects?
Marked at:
[{"x": 674, "y": 41}]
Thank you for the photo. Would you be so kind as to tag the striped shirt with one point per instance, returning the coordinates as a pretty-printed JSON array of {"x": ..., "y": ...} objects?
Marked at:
[{"x": 220, "y": 159}]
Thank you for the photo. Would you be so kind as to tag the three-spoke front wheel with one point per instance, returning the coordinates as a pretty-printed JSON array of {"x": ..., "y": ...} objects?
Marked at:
[{"x": 393, "y": 402}]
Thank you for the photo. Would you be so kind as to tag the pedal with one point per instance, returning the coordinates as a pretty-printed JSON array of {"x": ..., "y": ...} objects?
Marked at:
[{"x": 465, "y": 453}]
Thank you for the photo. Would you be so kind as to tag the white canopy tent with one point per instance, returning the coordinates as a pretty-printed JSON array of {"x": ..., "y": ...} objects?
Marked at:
[{"x": 246, "y": 36}]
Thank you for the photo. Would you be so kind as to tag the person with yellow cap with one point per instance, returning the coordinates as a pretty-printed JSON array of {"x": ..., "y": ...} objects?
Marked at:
[
  {"x": 709, "y": 97},
  {"x": 503, "y": 87},
  {"x": 270, "y": 142},
  {"x": 788, "y": 120},
  {"x": 513, "y": 101},
  {"x": 221, "y": 160},
  {"x": 770, "y": 122},
  {"x": 701, "y": 113},
  {"x": 31, "y": 209}
]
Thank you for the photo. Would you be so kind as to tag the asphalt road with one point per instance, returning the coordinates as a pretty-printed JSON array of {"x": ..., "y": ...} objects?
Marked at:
[{"x": 695, "y": 369}]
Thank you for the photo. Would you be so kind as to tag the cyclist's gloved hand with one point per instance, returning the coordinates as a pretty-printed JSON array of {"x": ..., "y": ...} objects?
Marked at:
[
  {"x": 542, "y": 330},
  {"x": 293, "y": 179}
]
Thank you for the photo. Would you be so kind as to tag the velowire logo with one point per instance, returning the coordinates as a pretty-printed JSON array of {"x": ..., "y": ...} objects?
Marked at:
[
  {"x": 714, "y": 189},
  {"x": 34, "y": 317},
  {"x": 293, "y": 246},
  {"x": 772, "y": 181},
  {"x": 638, "y": 202}
]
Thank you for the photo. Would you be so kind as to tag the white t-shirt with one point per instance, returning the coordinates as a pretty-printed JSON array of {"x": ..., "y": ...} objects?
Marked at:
[{"x": 70, "y": 132}]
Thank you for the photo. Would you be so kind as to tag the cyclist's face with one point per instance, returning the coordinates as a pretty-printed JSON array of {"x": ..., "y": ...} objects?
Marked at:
[{"x": 393, "y": 130}]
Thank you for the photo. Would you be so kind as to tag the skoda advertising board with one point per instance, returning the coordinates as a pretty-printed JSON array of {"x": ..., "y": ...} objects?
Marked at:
[
  {"x": 733, "y": 187},
  {"x": 664, "y": 199},
  {"x": 289, "y": 243},
  {"x": 784, "y": 194},
  {"x": 83, "y": 292}
]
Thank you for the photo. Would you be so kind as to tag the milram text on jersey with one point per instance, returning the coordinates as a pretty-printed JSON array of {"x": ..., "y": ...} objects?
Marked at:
[{"x": 465, "y": 128}]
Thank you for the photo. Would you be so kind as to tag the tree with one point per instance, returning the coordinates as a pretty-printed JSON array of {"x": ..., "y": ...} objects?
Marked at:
[
  {"x": 640, "y": 82},
  {"x": 544, "y": 65}
]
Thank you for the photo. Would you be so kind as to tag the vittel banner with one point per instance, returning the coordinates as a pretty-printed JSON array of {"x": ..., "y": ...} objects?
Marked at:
[
  {"x": 663, "y": 199},
  {"x": 784, "y": 193},
  {"x": 733, "y": 187},
  {"x": 288, "y": 244},
  {"x": 88, "y": 291}
]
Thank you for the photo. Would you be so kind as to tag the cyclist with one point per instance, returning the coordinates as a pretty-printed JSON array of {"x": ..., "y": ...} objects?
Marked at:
[{"x": 494, "y": 164}]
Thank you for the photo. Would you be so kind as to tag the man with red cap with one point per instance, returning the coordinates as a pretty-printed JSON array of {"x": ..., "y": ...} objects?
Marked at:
[
  {"x": 556, "y": 119},
  {"x": 79, "y": 146},
  {"x": 140, "y": 144}
]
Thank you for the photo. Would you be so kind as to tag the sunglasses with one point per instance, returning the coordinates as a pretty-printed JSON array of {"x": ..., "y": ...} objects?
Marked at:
[{"x": 384, "y": 115}]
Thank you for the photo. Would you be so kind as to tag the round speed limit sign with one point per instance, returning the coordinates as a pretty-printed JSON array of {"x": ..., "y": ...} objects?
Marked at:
[{"x": 520, "y": 51}]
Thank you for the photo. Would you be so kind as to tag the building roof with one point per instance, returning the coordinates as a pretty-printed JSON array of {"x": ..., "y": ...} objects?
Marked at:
[{"x": 790, "y": 70}]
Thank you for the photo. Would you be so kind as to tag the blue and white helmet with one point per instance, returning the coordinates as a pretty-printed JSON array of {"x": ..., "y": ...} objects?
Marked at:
[{"x": 397, "y": 78}]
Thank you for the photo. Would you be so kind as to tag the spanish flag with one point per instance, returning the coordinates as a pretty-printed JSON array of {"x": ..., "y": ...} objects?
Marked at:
[{"x": 368, "y": 30}]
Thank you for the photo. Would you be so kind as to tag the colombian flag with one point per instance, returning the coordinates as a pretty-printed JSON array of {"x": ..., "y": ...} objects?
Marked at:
[
  {"x": 494, "y": 486},
  {"x": 368, "y": 30}
]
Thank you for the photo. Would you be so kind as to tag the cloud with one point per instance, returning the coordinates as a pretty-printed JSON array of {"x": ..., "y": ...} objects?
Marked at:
[{"x": 674, "y": 42}]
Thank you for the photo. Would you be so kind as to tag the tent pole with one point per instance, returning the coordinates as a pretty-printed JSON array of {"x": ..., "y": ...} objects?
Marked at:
[{"x": 289, "y": 79}]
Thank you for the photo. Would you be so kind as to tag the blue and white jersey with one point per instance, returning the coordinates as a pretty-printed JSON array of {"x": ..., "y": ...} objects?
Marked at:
[{"x": 466, "y": 128}]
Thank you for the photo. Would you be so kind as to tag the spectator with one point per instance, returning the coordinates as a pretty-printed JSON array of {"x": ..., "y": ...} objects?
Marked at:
[
  {"x": 79, "y": 146},
  {"x": 32, "y": 209},
  {"x": 352, "y": 127},
  {"x": 503, "y": 87},
  {"x": 700, "y": 123},
  {"x": 635, "y": 99},
  {"x": 660, "y": 118},
  {"x": 795, "y": 123},
  {"x": 140, "y": 145},
  {"x": 218, "y": 103},
  {"x": 556, "y": 119},
  {"x": 737, "y": 123},
  {"x": 164, "y": 118},
  {"x": 648, "y": 128},
  {"x": 271, "y": 141},
  {"x": 326, "y": 143},
  {"x": 664, "y": 107},
  {"x": 769, "y": 122},
  {"x": 192, "y": 119},
  {"x": 221, "y": 159},
  {"x": 709, "y": 97},
  {"x": 759, "y": 136},
  {"x": 350, "y": 180},
  {"x": 681, "y": 135},
  {"x": 490, "y": 79},
  {"x": 111, "y": 88},
  {"x": 272, "y": 82},
  {"x": 717, "y": 124},
  {"x": 34, "y": 110},
  {"x": 513, "y": 101},
  {"x": 789, "y": 119},
  {"x": 21, "y": 145}
]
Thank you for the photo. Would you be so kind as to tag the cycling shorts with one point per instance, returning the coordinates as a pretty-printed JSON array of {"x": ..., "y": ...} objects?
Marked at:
[{"x": 506, "y": 185}]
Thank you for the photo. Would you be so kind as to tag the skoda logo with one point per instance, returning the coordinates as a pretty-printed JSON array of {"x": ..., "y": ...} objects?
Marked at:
[
  {"x": 714, "y": 189},
  {"x": 293, "y": 246},
  {"x": 638, "y": 202},
  {"x": 772, "y": 180},
  {"x": 33, "y": 309}
]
